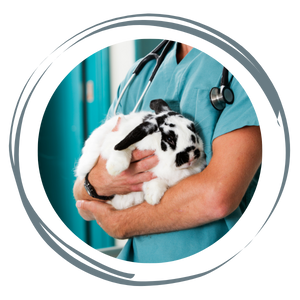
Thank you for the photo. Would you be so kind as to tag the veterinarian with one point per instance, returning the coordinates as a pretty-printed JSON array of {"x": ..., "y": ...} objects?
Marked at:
[{"x": 200, "y": 209}]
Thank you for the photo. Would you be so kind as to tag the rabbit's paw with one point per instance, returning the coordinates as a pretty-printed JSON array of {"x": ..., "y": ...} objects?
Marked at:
[
  {"x": 154, "y": 190},
  {"x": 118, "y": 162}
]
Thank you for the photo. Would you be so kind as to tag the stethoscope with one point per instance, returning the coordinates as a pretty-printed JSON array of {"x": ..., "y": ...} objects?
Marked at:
[{"x": 219, "y": 97}]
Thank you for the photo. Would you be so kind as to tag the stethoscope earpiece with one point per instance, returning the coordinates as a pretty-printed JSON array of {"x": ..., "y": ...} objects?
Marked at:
[{"x": 220, "y": 96}]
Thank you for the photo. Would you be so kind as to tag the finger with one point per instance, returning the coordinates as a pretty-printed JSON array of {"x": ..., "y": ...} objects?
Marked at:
[
  {"x": 144, "y": 165},
  {"x": 90, "y": 206},
  {"x": 137, "y": 187},
  {"x": 142, "y": 177},
  {"x": 141, "y": 154}
]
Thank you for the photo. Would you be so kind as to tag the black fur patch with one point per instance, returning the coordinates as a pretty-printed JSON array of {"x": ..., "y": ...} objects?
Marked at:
[
  {"x": 197, "y": 153},
  {"x": 192, "y": 127},
  {"x": 169, "y": 138},
  {"x": 159, "y": 106},
  {"x": 136, "y": 135},
  {"x": 154, "y": 129},
  {"x": 193, "y": 138},
  {"x": 188, "y": 149},
  {"x": 148, "y": 117},
  {"x": 170, "y": 124},
  {"x": 160, "y": 120},
  {"x": 163, "y": 146},
  {"x": 182, "y": 158}
]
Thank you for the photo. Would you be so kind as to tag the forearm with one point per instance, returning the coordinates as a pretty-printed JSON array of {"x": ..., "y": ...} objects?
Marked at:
[
  {"x": 192, "y": 202},
  {"x": 199, "y": 199}
]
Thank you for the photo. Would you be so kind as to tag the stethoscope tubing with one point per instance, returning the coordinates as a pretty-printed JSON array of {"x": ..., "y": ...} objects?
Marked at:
[
  {"x": 123, "y": 91},
  {"x": 165, "y": 45},
  {"x": 217, "y": 97}
]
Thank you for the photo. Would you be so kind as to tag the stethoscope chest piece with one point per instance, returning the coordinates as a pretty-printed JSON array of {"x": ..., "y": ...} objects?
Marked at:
[{"x": 219, "y": 97}]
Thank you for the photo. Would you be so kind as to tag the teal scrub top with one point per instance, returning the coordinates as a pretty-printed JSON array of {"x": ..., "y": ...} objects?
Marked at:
[{"x": 185, "y": 87}]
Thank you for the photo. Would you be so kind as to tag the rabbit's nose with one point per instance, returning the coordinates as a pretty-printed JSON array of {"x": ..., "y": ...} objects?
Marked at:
[{"x": 191, "y": 161}]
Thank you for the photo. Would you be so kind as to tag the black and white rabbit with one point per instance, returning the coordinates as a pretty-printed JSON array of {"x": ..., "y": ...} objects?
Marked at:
[{"x": 173, "y": 137}]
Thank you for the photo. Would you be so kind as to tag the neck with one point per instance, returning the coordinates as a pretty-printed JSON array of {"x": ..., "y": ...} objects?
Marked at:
[{"x": 182, "y": 51}]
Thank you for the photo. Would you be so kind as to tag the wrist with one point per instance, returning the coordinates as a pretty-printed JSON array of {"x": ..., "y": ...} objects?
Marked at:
[
  {"x": 79, "y": 191},
  {"x": 90, "y": 189},
  {"x": 96, "y": 183}
]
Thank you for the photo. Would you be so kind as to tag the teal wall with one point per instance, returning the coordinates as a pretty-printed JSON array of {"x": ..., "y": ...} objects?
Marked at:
[
  {"x": 144, "y": 46},
  {"x": 78, "y": 106}
]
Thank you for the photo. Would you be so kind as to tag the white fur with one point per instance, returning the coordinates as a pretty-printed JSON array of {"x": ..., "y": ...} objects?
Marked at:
[{"x": 102, "y": 142}]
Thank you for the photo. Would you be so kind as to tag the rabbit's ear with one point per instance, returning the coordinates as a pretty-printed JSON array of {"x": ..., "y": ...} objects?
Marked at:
[
  {"x": 137, "y": 134},
  {"x": 159, "y": 106}
]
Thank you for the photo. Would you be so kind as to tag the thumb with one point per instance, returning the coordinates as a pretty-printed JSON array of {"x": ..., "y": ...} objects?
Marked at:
[
  {"x": 83, "y": 204},
  {"x": 89, "y": 205}
]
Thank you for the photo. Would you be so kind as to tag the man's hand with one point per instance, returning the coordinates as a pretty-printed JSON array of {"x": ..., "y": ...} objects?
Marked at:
[
  {"x": 130, "y": 180},
  {"x": 105, "y": 215}
]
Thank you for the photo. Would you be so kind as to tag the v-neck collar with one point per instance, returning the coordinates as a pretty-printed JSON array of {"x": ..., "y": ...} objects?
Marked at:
[
  {"x": 171, "y": 58},
  {"x": 187, "y": 59},
  {"x": 172, "y": 75},
  {"x": 179, "y": 69}
]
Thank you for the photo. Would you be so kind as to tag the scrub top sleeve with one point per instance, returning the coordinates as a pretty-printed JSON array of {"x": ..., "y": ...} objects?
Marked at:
[{"x": 240, "y": 114}]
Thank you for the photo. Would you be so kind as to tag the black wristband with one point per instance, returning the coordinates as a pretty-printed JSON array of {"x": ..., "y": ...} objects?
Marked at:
[{"x": 92, "y": 192}]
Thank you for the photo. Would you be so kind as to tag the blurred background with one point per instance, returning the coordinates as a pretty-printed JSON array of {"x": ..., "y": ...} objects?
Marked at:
[{"x": 77, "y": 107}]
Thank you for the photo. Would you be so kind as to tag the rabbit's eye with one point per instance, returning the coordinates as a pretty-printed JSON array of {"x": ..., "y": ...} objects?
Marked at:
[{"x": 170, "y": 140}]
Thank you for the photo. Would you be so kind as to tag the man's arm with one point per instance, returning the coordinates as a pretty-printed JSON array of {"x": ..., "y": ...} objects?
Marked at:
[
  {"x": 205, "y": 197},
  {"x": 197, "y": 200}
]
